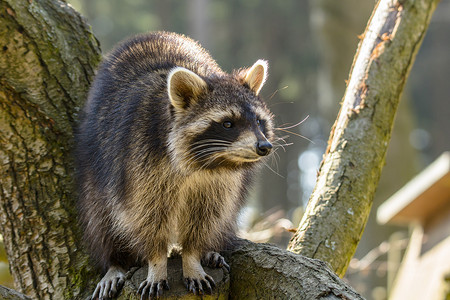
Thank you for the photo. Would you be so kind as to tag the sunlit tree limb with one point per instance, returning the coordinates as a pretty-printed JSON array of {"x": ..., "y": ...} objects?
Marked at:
[{"x": 340, "y": 204}]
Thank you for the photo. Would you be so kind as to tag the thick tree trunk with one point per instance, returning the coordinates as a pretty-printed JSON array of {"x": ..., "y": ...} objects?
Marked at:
[
  {"x": 340, "y": 204},
  {"x": 48, "y": 56}
]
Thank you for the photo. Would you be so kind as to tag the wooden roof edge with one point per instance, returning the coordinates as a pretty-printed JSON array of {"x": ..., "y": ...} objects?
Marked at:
[{"x": 414, "y": 188}]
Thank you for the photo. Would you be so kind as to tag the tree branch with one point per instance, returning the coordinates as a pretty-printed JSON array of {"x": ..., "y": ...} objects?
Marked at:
[
  {"x": 258, "y": 271},
  {"x": 340, "y": 204},
  {"x": 7, "y": 293}
]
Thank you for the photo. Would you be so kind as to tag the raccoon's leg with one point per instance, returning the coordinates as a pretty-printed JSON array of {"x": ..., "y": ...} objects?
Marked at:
[
  {"x": 111, "y": 284},
  {"x": 214, "y": 260},
  {"x": 195, "y": 278},
  {"x": 156, "y": 280}
]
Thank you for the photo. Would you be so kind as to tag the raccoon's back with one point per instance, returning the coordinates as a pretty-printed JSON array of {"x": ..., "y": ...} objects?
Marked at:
[
  {"x": 128, "y": 107},
  {"x": 159, "y": 51}
]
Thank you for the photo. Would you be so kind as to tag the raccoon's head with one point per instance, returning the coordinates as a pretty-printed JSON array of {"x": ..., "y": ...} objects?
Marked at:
[{"x": 220, "y": 121}]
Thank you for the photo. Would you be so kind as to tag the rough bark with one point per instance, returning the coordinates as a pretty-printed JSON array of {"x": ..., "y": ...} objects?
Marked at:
[
  {"x": 258, "y": 271},
  {"x": 48, "y": 56},
  {"x": 340, "y": 204},
  {"x": 263, "y": 271}
]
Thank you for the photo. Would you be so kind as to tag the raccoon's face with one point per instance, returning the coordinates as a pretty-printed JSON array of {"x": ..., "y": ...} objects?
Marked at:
[
  {"x": 222, "y": 123},
  {"x": 231, "y": 136}
]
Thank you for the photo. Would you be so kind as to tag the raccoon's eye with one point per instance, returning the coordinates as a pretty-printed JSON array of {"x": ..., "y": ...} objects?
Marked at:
[
  {"x": 227, "y": 124},
  {"x": 260, "y": 123}
]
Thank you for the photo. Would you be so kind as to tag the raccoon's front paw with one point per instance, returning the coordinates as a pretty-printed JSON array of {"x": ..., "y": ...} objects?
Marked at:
[
  {"x": 152, "y": 289},
  {"x": 199, "y": 285},
  {"x": 110, "y": 285},
  {"x": 195, "y": 278},
  {"x": 214, "y": 260}
]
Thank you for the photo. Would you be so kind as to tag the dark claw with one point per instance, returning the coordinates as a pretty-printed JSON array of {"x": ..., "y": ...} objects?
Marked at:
[
  {"x": 166, "y": 284},
  {"x": 116, "y": 286},
  {"x": 190, "y": 285},
  {"x": 225, "y": 265},
  {"x": 221, "y": 263},
  {"x": 198, "y": 286},
  {"x": 216, "y": 261},
  {"x": 141, "y": 286},
  {"x": 96, "y": 292},
  {"x": 108, "y": 289},
  {"x": 207, "y": 286},
  {"x": 211, "y": 280},
  {"x": 152, "y": 290}
]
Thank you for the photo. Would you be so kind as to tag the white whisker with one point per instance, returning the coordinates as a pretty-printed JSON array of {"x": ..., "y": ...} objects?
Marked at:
[
  {"x": 271, "y": 169},
  {"x": 276, "y": 91},
  {"x": 295, "y": 125},
  {"x": 277, "y": 145},
  {"x": 200, "y": 155},
  {"x": 208, "y": 145},
  {"x": 281, "y": 138},
  {"x": 299, "y": 135},
  {"x": 274, "y": 156},
  {"x": 211, "y": 140}
]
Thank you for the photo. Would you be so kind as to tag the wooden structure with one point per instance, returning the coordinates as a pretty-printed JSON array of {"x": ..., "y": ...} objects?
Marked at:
[{"x": 424, "y": 205}]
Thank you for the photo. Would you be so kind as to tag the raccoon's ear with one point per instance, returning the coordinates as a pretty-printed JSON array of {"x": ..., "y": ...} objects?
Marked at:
[
  {"x": 184, "y": 87},
  {"x": 255, "y": 76}
]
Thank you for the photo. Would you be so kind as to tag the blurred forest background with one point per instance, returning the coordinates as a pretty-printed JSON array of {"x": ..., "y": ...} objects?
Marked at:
[{"x": 310, "y": 46}]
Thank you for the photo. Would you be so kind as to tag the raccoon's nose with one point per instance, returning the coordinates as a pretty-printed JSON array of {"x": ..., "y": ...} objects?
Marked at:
[{"x": 263, "y": 148}]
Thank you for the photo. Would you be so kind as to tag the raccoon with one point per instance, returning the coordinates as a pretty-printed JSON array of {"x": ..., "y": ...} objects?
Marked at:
[{"x": 165, "y": 151}]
